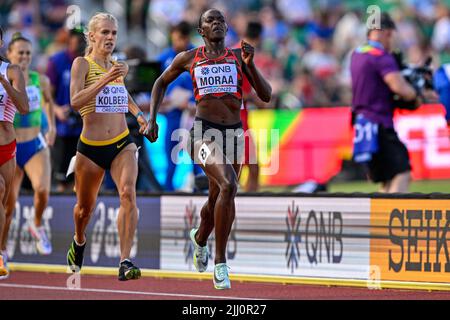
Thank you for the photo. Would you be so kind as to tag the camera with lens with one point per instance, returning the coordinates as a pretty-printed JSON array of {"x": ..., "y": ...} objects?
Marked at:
[
  {"x": 419, "y": 77},
  {"x": 141, "y": 75}
]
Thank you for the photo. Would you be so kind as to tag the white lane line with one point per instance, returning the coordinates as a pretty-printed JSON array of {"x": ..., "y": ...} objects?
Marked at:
[{"x": 164, "y": 294}]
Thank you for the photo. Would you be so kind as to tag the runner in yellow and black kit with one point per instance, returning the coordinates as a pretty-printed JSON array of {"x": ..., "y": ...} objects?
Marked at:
[{"x": 98, "y": 92}]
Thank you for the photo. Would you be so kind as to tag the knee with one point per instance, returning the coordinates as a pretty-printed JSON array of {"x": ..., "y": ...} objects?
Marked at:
[
  {"x": 228, "y": 188},
  {"x": 83, "y": 210},
  {"x": 127, "y": 195},
  {"x": 42, "y": 192}
]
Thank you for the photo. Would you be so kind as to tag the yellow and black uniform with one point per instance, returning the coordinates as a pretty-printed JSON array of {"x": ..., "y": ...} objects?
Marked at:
[{"x": 113, "y": 98}]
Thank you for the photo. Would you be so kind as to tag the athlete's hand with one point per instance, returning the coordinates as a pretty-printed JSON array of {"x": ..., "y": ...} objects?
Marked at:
[
  {"x": 50, "y": 136},
  {"x": 247, "y": 52},
  {"x": 117, "y": 70},
  {"x": 62, "y": 112},
  {"x": 150, "y": 131}
]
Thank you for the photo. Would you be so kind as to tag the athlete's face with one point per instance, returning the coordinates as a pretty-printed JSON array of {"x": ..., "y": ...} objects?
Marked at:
[
  {"x": 20, "y": 53},
  {"x": 213, "y": 26},
  {"x": 105, "y": 36}
]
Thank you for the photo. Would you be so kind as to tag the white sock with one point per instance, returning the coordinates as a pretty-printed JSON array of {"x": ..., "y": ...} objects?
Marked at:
[{"x": 80, "y": 245}]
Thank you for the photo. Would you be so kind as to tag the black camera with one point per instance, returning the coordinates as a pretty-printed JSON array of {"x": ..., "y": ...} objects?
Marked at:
[
  {"x": 141, "y": 75},
  {"x": 420, "y": 77}
]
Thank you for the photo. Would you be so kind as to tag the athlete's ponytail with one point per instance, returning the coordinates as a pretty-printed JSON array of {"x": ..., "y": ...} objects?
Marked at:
[
  {"x": 92, "y": 27},
  {"x": 17, "y": 36}
]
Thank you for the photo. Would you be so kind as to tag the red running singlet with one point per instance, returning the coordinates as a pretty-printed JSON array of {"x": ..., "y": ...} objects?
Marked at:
[{"x": 217, "y": 77}]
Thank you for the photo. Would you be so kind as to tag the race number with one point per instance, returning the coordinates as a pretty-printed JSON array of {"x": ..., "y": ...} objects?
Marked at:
[{"x": 204, "y": 153}]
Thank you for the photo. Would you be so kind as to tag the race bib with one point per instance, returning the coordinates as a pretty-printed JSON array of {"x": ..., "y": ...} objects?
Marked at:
[
  {"x": 112, "y": 99},
  {"x": 216, "y": 78},
  {"x": 204, "y": 153},
  {"x": 34, "y": 98},
  {"x": 3, "y": 98}
]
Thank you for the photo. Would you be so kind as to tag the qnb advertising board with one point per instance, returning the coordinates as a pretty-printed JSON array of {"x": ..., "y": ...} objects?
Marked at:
[
  {"x": 289, "y": 236},
  {"x": 102, "y": 235}
]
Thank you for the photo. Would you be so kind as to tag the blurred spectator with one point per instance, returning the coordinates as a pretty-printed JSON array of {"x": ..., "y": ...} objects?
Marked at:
[
  {"x": 68, "y": 122},
  {"x": 296, "y": 12},
  {"x": 24, "y": 18},
  {"x": 179, "y": 95},
  {"x": 441, "y": 33},
  {"x": 54, "y": 13},
  {"x": 275, "y": 30},
  {"x": 349, "y": 33},
  {"x": 441, "y": 80}
]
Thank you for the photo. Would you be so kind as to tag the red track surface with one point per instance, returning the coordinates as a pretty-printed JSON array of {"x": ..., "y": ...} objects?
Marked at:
[{"x": 31, "y": 285}]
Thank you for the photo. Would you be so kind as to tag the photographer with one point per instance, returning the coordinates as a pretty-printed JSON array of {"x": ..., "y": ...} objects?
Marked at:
[{"x": 376, "y": 79}]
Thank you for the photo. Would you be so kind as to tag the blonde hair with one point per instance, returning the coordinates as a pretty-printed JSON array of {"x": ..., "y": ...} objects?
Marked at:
[{"x": 92, "y": 27}]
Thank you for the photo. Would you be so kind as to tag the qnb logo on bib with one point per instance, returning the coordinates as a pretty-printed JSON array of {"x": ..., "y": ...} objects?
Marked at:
[
  {"x": 34, "y": 98},
  {"x": 112, "y": 99},
  {"x": 216, "y": 78}
]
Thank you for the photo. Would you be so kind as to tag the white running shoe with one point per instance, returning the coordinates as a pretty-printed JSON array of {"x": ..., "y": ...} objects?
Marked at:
[
  {"x": 43, "y": 245},
  {"x": 221, "y": 277},
  {"x": 200, "y": 256}
]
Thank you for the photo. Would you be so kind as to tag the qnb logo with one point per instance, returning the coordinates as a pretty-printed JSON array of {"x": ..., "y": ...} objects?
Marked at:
[
  {"x": 293, "y": 237},
  {"x": 321, "y": 235},
  {"x": 205, "y": 71},
  {"x": 105, "y": 234},
  {"x": 106, "y": 90}
]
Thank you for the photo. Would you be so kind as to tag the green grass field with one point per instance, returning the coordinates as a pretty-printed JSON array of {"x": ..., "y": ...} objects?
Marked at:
[{"x": 423, "y": 186}]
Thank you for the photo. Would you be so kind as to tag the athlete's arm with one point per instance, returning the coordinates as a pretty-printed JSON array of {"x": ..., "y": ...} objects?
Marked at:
[
  {"x": 49, "y": 108},
  {"x": 178, "y": 66},
  {"x": 16, "y": 89},
  {"x": 79, "y": 96},
  {"x": 398, "y": 85},
  {"x": 135, "y": 110},
  {"x": 261, "y": 86}
]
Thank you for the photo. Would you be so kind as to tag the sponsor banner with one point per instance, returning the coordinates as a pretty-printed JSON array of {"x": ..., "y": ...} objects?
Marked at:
[
  {"x": 312, "y": 237},
  {"x": 426, "y": 135},
  {"x": 102, "y": 236},
  {"x": 410, "y": 239}
]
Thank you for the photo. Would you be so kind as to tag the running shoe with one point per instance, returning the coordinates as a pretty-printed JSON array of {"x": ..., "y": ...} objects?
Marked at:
[
  {"x": 43, "y": 245},
  {"x": 128, "y": 271},
  {"x": 200, "y": 256},
  {"x": 221, "y": 278},
  {"x": 75, "y": 256},
  {"x": 4, "y": 270}
]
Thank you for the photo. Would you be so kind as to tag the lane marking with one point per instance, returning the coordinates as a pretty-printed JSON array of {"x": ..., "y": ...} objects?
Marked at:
[
  {"x": 164, "y": 294},
  {"x": 273, "y": 279}
]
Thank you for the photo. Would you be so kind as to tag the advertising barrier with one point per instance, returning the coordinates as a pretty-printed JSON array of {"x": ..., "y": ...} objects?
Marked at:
[
  {"x": 102, "y": 236},
  {"x": 312, "y": 237},
  {"x": 332, "y": 239},
  {"x": 410, "y": 239}
]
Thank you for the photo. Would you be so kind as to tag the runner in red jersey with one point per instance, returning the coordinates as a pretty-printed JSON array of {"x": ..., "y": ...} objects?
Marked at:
[
  {"x": 217, "y": 139},
  {"x": 13, "y": 98}
]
